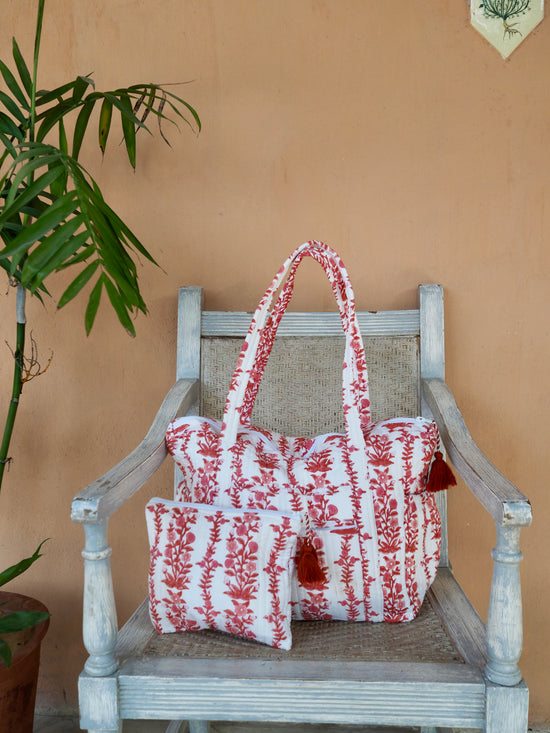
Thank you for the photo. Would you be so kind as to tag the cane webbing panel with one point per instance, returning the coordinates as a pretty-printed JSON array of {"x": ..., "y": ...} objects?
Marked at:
[
  {"x": 422, "y": 640},
  {"x": 300, "y": 393}
]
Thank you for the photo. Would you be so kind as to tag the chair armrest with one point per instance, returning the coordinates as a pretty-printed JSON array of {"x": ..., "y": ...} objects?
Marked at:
[
  {"x": 103, "y": 497},
  {"x": 506, "y": 504}
]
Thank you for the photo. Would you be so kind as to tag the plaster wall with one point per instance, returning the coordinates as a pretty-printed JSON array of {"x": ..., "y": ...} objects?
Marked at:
[{"x": 392, "y": 131}]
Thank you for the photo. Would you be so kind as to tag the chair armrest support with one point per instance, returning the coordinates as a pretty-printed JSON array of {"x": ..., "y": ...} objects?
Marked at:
[
  {"x": 93, "y": 507},
  {"x": 506, "y": 504},
  {"x": 103, "y": 497},
  {"x": 511, "y": 511}
]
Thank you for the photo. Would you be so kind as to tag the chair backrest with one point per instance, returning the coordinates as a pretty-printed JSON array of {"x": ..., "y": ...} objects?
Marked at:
[{"x": 300, "y": 393}]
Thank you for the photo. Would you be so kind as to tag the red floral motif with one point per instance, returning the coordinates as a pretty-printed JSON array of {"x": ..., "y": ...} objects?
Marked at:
[
  {"x": 241, "y": 576},
  {"x": 177, "y": 568},
  {"x": 209, "y": 564},
  {"x": 347, "y": 562},
  {"x": 278, "y": 616}
]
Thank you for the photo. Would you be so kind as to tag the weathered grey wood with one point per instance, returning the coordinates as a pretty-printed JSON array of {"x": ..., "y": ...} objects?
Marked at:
[
  {"x": 99, "y": 626},
  {"x": 507, "y": 709},
  {"x": 198, "y": 726},
  {"x": 465, "y": 627},
  {"x": 432, "y": 332},
  {"x": 259, "y": 671},
  {"x": 239, "y": 727},
  {"x": 178, "y": 726},
  {"x": 188, "y": 361},
  {"x": 379, "y": 702},
  {"x": 381, "y": 323},
  {"x": 504, "y": 619},
  {"x": 135, "y": 634},
  {"x": 506, "y": 504},
  {"x": 99, "y": 708},
  {"x": 432, "y": 366},
  {"x": 99, "y": 500}
]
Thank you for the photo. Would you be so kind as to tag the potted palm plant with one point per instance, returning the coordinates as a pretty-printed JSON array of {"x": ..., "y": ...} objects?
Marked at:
[{"x": 53, "y": 217}]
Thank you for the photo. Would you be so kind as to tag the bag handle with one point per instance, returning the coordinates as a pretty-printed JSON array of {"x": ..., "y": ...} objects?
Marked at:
[
  {"x": 341, "y": 286},
  {"x": 261, "y": 334}
]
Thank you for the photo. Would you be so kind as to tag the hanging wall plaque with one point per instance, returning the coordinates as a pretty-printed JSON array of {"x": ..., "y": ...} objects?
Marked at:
[{"x": 506, "y": 23}]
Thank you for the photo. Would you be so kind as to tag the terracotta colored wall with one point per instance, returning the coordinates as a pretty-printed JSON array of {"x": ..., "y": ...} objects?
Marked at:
[{"x": 394, "y": 132}]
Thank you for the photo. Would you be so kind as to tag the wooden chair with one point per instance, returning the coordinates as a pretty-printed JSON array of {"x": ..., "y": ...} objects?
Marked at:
[{"x": 445, "y": 669}]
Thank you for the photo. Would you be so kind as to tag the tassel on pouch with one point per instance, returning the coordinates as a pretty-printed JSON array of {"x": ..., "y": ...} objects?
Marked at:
[
  {"x": 441, "y": 477},
  {"x": 308, "y": 567}
]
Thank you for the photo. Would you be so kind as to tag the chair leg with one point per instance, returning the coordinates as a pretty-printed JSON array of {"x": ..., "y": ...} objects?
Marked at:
[
  {"x": 188, "y": 726},
  {"x": 507, "y": 709},
  {"x": 177, "y": 726},
  {"x": 199, "y": 726}
]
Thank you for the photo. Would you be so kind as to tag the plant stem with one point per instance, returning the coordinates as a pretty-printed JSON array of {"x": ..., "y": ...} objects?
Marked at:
[
  {"x": 21, "y": 292},
  {"x": 17, "y": 383}
]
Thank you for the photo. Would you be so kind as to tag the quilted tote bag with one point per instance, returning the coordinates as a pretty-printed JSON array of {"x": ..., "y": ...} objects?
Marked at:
[{"x": 369, "y": 539}]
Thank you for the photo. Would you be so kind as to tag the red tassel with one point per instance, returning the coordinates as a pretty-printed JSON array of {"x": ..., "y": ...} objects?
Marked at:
[
  {"x": 441, "y": 476},
  {"x": 308, "y": 567}
]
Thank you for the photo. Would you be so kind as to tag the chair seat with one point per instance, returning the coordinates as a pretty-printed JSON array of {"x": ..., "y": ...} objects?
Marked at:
[{"x": 335, "y": 670}]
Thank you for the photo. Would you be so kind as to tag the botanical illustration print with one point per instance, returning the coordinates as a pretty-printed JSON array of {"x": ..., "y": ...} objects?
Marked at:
[
  {"x": 361, "y": 496},
  {"x": 506, "y": 10},
  {"x": 221, "y": 569},
  {"x": 506, "y": 23}
]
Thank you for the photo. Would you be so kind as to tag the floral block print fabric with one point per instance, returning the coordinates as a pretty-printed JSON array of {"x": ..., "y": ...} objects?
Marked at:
[
  {"x": 361, "y": 495},
  {"x": 224, "y": 569},
  {"x": 309, "y": 476}
]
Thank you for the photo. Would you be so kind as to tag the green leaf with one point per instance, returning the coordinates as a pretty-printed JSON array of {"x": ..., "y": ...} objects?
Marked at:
[
  {"x": 20, "y": 620},
  {"x": 5, "y": 652},
  {"x": 51, "y": 117},
  {"x": 18, "y": 197},
  {"x": 8, "y": 127},
  {"x": 127, "y": 233},
  {"x": 129, "y": 129},
  {"x": 58, "y": 258},
  {"x": 83, "y": 255},
  {"x": 22, "y": 68},
  {"x": 53, "y": 249},
  {"x": 81, "y": 126},
  {"x": 93, "y": 305},
  {"x": 50, "y": 219},
  {"x": 12, "y": 107},
  {"x": 105, "y": 123},
  {"x": 116, "y": 98},
  {"x": 81, "y": 85},
  {"x": 63, "y": 138},
  {"x": 120, "y": 308},
  {"x": 171, "y": 96},
  {"x": 59, "y": 185},
  {"x": 13, "y": 86},
  {"x": 47, "y": 96},
  {"x": 9, "y": 149},
  {"x": 20, "y": 567},
  {"x": 78, "y": 283}
]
